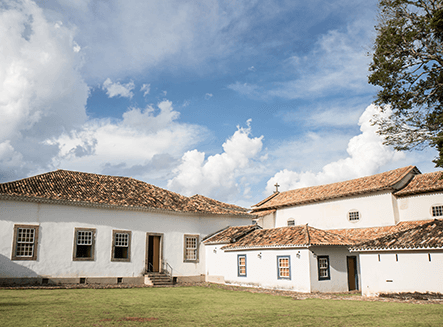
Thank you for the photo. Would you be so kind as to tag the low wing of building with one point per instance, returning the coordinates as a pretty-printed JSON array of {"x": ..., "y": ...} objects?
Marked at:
[{"x": 69, "y": 227}]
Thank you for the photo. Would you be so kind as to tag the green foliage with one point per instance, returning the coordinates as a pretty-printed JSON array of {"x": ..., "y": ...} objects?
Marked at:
[
  {"x": 200, "y": 306},
  {"x": 407, "y": 65}
]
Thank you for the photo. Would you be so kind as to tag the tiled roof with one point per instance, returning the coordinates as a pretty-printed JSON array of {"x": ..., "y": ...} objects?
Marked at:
[
  {"x": 85, "y": 188},
  {"x": 365, "y": 234},
  {"x": 291, "y": 236},
  {"x": 430, "y": 182},
  {"x": 425, "y": 236},
  {"x": 263, "y": 213},
  {"x": 385, "y": 181},
  {"x": 230, "y": 234},
  {"x": 203, "y": 199}
]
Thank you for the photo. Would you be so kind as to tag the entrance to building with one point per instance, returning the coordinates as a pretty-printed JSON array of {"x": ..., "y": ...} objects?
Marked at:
[
  {"x": 352, "y": 273},
  {"x": 154, "y": 253}
]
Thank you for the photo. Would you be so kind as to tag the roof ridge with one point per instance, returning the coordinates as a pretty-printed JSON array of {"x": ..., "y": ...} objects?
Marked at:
[{"x": 308, "y": 237}]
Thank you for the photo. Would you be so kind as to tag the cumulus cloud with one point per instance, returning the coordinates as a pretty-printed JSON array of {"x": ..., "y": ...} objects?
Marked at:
[
  {"x": 146, "y": 88},
  {"x": 217, "y": 176},
  {"x": 42, "y": 92},
  {"x": 366, "y": 153},
  {"x": 117, "y": 89},
  {"x": 131, "y": 141}
]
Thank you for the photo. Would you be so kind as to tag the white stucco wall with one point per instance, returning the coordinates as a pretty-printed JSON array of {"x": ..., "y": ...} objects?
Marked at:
[
  {"x": 56, "y": 239},
  {"x": 419, "y": 207},
  {"x": 413, "y": 272},
  {"x": 338, "y": 281},
  {"x": 375, "y": 210},
  {"x": 261, "y": 271}
]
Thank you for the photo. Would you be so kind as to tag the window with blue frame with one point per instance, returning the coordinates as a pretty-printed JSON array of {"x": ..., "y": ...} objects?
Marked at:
[
  {"x": 241, "y": 265},
  {"x": 284, "y": 267},
  {"x": 323, "y": 267}
]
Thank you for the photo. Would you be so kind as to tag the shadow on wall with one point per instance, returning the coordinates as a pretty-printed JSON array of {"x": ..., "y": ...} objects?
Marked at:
[{"x": 14, "y": 273}]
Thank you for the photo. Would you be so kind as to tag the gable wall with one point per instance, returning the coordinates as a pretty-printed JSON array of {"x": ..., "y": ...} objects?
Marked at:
[
  {"x": 418, "y": 207},
  {"x": 56, "y": 239},
  {"x": 375, "y": 210}
]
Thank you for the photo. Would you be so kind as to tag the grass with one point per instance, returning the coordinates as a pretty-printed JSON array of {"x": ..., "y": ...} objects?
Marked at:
[{"x": 200, "y": 306}]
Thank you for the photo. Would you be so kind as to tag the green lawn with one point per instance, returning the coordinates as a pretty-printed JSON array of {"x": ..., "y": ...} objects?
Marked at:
[{"x": 200, "y": 306}]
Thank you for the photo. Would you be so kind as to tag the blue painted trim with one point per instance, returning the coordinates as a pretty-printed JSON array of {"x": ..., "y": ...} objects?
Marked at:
[
  {"x": 238, "y": 266},
  {"x": 278, "y": 266},
  {"x": 318, "y": 267}
]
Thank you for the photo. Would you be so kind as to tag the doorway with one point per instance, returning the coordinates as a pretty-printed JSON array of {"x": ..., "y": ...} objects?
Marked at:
[
  {"x": 352, "y": 273},
  {"x": 154, "y": 251}
]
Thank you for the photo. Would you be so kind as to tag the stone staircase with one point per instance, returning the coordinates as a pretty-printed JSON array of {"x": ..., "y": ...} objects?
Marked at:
[{"x": 158, "y": 279}]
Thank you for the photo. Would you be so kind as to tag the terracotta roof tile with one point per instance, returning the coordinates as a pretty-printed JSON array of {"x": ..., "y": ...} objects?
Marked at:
[
  {"x": 203, "y": 199},
  {"x": 78, "y": 187},
  {"x": 423, "y": 236},
  {"x": 430, "y": 182},
  {"x": 229, "y": 234},
  {"x": 368, "y": 184},
  {"x": 371, "y": 233},
  {"x": 288, "y": 237}
]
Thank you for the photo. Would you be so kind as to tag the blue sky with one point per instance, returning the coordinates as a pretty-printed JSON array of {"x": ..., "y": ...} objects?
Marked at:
[{"x": 220, "y": 98}]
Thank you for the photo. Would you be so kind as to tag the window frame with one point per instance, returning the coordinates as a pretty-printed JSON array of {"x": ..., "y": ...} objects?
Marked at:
[
  {"x": 279, "y": 267},
  {"x": 353, "y": 212},
  {"x": 114, "y": 233},
  {"x": 290, "y": 222},
  {"x": 74, "y": 254},
  {"x": 15, "y": 242},
  {"x": 239, "y": 274},
  {"x": 185, "y": 248},
  {"x": 319, "y": 269},
  {"x": 437, "y": 208}
]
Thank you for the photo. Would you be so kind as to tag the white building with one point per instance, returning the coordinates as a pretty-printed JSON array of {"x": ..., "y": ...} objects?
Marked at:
[
  {"x": 71, "y": 227},
  {"x": 356, "y": 211}
]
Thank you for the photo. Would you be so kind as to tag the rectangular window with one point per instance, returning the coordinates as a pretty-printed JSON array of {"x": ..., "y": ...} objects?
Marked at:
[
  {"x": 25, "y": 242},
  {"x": 84, "y": 242},
  {"x": 323, "y": 267},
  {"x": 191, "y": 248},
  {"x": 291, "y": 222},
  {"x": 241, "y": 260},
  {"x": 354, "y": 215},
  {"x": 121, "y": 245},
  {"x": 437, "y": 211},
  {"x": 284, "y": 267}
]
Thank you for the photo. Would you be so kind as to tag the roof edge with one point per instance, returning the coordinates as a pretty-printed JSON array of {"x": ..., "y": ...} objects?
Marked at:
[{"x": 22, "y": 198}]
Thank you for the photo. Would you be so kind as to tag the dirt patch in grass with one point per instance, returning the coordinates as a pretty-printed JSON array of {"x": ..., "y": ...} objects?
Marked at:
[{"x": 137, "y": 319}]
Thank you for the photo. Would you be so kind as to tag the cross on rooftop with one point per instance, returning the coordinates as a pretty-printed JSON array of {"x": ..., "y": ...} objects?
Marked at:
[{"x": 276, "y": 187}]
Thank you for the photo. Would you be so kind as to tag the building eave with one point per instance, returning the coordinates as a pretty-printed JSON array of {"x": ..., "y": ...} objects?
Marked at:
[{"x": 8, "y": 197}]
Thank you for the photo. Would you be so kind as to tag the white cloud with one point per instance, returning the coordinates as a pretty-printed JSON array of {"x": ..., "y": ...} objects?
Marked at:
[
  {"x": 134, "y": 140},
  {"x": 367, "y": 155},
  {"x": 208, "y": 96},
  {"x": 252, "y": 69},
  {"x": 218, "y": 175},
  {"x": 117, "y": 89},
  {"x": 146, "y": 88},
  {"x": 42, "y": 93}
]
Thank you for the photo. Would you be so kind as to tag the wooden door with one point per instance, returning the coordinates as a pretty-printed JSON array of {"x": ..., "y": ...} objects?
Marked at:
[
  {"x": 153, "y": 251},
  {"x": 352, "y": 273}
]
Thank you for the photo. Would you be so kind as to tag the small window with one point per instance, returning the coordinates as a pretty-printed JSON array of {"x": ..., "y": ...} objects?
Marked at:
[
  {"x": 437, "y": 211},
  {"x": 284, "y": 267},
  {"x": 353, "y": 215},
  {"x": 191, "y": 248},
  {"x": 84, "y": 244},
  {"x": 121, "y": 245},
  {"x": 241, "y": 259},
  {"x": 25, "y": 242},
  {"x": 323, "y": 267},
  {"x": 291, "y": 222}
]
